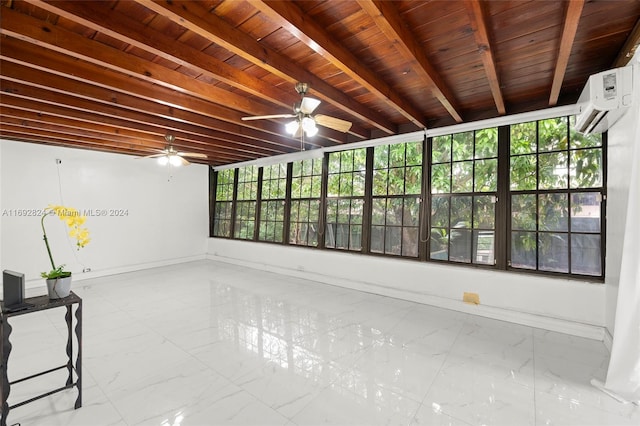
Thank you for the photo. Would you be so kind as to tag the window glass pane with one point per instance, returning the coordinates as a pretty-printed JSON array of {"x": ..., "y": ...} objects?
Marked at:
[
  {"x": 413, "y": 180},
  {"x": 523, "y": 250},
  {"x": 463, "y": 146},
  {"x": 586, "y": 168},
  {"x": 553, "y": 171},
  {"x": 440, "y": 212},
  {"x": 346, "y": 161},
  {"x": 414, "y": 154},
  {"x": 410, "y": 242},
  {"x": 316, "y": 186},
  {"x": 486, "y": 175},
  {"x": 440, "y": 178},
  {"x": 396, "y": 181},
  {"x": 314, "y": 210},
  {"x": 585, "y": 212},
  {"x": 523, "y": 212},
  {"x": 484, "y": 212},
  {"x": 553, "y": 134},
  {"x": 553, "y": 252},
  {"x": 523, "y": 173},
  {"x": 393, "y": 240},
  {"x": 396, "y": 155},
  {"x": 355, "y": 241},
  {"x": 460, "y": 246},
  {"x": 381, "y": 157},
  {"x": 483, "y": 246},
  {"x": 487, "y": 143},
  {"x": 462, "y": 177},
  {"x": 411, "y": 216},
  {"x": 360, "y": 159},
  {"x": 523, "y": 138},
  {"x": 394, "y": 211},
  {"x": 378, "y": 211},
  {"x": 461, "y": 212},
  {"x": 356, "y": 210},
  {"x": 380, "y": 178},
  {"x": 585, "y": 254},
  {"x": 439, "y": 243},
  {"x": 441, "y": 149},
  {"x": 553, "y": 212},
  {"x": 377, "y": 239},
  {"x": 358, "y": 184}
]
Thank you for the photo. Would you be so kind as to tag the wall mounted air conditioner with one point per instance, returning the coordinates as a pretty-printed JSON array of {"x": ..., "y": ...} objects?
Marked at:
[{"x": 604, "y": 99}]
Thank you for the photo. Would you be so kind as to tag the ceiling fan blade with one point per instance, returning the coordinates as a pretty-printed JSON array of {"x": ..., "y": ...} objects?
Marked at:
[
  {"x": 152, "y": 156},
  {"x": 263, "y": 117},
  {"x": 308, "y": 105},
  {"x": 183, "y": 161},
  {"x": 333, "y": 123},
  {"x": 192, "y": 154}
]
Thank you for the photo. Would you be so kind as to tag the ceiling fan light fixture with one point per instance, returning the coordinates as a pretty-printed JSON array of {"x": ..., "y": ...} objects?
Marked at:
[
  {"x": 292, "y": 127},
  {"x": 175, "y": 160},
  {"x": 312, "y": 131},
  {"x": 163, "y": 161}
]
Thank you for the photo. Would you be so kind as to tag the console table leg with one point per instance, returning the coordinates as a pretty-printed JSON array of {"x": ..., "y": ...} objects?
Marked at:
[
  {"x": 69, "y": 319},
  {"x": 78, "y": 403},
  {"x": 5, "y": 348}
]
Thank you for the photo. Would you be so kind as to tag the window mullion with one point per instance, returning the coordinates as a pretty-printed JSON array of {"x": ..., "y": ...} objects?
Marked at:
[{"x": 503, "y": 203}]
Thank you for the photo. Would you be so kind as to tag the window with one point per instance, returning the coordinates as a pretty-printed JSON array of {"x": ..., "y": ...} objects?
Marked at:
[
  {"x": 464, "y": 170},
  {"x": 274, "y": 190},
  {"x": 224, "y": 203},
  {"x": 397, "y": 183},
  {"x": 522, "y": 197},
  {"x": 556, "y": 182},
  {"x": 246, "y": 202},
  {"x": 345, "y": 199},
  {"x": 306, "y": 185}
]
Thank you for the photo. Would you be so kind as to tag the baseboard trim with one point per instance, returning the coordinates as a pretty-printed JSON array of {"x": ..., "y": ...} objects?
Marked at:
[
  {"x": 39, "y": 283},
  {"x": 538, "y": 321}
]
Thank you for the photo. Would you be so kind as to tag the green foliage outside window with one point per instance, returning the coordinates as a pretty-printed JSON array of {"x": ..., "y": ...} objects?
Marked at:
[{"x": 306, "y": 187}]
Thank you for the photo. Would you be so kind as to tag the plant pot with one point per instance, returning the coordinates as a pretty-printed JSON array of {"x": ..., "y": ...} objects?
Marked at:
[{"x": 59, "y": 288}]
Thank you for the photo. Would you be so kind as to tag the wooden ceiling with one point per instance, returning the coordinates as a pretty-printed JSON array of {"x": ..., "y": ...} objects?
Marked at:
[{"x": 117, "y": 76}]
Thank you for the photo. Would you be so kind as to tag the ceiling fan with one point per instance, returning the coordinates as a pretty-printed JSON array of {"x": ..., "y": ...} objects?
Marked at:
[
  {"x": 303, "y": 122},
  {"x": 173, "y": 157}
]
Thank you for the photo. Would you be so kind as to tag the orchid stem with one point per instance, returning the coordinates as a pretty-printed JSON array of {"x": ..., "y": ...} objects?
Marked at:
[{"x": 46, "y": 242}]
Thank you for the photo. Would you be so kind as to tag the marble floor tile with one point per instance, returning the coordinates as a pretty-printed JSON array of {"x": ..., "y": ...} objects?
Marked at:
[{"x": 207, "y": 343}]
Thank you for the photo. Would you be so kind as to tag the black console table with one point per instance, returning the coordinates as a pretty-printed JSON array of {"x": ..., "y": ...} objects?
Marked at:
[{"x": 36, "y": 304}]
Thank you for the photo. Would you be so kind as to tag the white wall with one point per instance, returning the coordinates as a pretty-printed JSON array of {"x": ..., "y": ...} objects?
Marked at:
[
  {"x": 163, "y": 220},
  {"x": 622, "y": 138},
  {"x": 563, "y": 305}
]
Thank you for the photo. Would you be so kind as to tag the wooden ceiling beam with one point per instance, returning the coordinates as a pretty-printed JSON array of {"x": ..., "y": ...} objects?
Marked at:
[
  {"x": 100, "y": 17},
  {"x": 46, "y": 35},
  {"x": 33, "y": 112},
  {"x": 194, "y": 17},
  {"x": 479, "y": 25},
  {"x": 49, "y": 100},
  {"x": 629, "y": 48},
  {"x": 571, "y": 21},
  {"x": 142, "y": 96},
  {"x": 389, "y": 21},
  {"x": 292, "y": 18}
]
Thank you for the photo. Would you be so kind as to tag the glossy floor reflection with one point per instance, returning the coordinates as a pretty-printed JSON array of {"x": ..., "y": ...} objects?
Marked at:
[{"x": 208, "y": 343}]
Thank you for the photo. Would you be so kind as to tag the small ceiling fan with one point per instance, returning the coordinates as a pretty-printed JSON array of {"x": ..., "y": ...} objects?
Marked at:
[
  {"x": 303, "y": 122},
  {"x": 171, "y": 156}
]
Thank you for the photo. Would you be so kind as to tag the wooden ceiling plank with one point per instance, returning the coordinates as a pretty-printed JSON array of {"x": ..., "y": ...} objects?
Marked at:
[
  {"x": 184, "y": 124},
  {"x": 29, "y": 110},
  {"x": 161, "y": 98},
  {"x": 293, "y": 19},
  {"x": 21, "y": 26},
  {"x": 194, "y": 17},
  {"x": 571, "y": 21},
  {"x": 629, "y": 48},
  {"x": 480, "y": 26},
  {"x": 389, "y": 21},
  {"x": 100, "y": 17}
]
